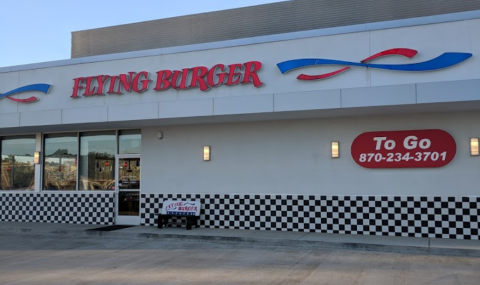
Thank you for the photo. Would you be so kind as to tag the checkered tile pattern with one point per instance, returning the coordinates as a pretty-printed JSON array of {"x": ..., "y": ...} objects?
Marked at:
[
  {"x": 69, "y": 208},
  {"x": 434, "y": 217}
]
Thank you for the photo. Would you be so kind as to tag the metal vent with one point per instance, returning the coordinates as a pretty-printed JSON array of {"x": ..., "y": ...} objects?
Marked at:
[{"x": 276, "y": 18}]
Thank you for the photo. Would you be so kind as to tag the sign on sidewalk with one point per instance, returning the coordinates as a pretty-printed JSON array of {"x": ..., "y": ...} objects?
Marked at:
[{"x": 184, "y": 208}]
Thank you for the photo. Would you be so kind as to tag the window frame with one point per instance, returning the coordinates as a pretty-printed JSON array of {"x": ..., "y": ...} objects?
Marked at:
[
  {"x": 25, "y": 136},
  {"x": 79, "y": 154},
  {"x": 44, "y": 157},
  {"x": 78, "y": 136}
]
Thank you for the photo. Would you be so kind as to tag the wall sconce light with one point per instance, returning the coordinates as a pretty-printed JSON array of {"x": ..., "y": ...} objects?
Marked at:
[
  {"x": 36, "y": 157},
  {"x": 160, "y": 135},
  {"x": 335, "y": 150},
  {"x": 206, "y": 153},
  {"x": 474, "y": 147}
]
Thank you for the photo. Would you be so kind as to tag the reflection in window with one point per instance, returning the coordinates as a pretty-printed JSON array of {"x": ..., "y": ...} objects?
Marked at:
[
  {"x": 129, "y": 173},
  {"x": 130, "y": 142},
  {"x": 60, "y": 164},
  {"x": 17, "y": 168},
  {"x": 129, "y": 203},
  {"x": 97, "y": 160}
]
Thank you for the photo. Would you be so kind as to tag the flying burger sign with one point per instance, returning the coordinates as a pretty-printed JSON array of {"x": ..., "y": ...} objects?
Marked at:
[
  {"x": 199, "y": 77},
  {"x": 205, "y": 78}
]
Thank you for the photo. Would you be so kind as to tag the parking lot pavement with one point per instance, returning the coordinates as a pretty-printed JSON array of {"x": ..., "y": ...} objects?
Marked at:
[{"x": 35, "y": 259}]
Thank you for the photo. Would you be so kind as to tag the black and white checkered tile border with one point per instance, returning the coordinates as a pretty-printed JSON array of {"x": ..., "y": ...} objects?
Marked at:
[
  {"x": 435, "y": 217},
  {"x": 84, "y": 208}
]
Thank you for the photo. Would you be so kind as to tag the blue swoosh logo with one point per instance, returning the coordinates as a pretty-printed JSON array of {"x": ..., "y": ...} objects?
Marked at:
[
  {"x": 28, "y": 88},
  {"x": 443, "y": 61}
]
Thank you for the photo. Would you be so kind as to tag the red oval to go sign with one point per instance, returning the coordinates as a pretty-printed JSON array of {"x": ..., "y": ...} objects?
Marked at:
[{"x": 404, "y": 149}]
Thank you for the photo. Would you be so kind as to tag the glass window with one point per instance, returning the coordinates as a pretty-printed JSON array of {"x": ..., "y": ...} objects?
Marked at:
[
  {"x": 97, "y": 160},
  {"x": 17, "y": 168},
  {"x": 130, "y": 142},
  {"x": 60, "y": 162}
]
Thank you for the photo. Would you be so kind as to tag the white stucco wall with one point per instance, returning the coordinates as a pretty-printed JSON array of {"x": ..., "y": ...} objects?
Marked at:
[
  {"x": 359, "y": 87},
  {"x": 293, "y": 157}
]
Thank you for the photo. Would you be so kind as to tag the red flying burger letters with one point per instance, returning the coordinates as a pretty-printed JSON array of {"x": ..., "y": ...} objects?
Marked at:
[{"x": 195, "y": 77}]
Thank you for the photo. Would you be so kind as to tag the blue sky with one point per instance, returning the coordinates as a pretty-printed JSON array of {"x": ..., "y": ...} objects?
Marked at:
[{"x": 34, "y": 31}]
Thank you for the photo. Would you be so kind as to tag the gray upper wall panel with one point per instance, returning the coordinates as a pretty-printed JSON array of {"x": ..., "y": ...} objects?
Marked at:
[{"x": 269, "y": 19}]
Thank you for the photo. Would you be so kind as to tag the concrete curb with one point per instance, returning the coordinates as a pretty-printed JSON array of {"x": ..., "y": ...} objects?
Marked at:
[{"x": 341, "y": 245}]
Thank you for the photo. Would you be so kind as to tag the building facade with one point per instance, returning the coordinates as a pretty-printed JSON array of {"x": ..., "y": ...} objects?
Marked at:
[{"x": 360, "y": 129}]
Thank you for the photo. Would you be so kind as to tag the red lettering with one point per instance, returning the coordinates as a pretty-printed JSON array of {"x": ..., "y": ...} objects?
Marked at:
[
  {"x": 88, "y": 86},
  {"x": 144, "y": 82},
  {"x": 113, "y": 80},
  {"x": 183, "y": 82},
  {"x": 213, "y": 72},
  {"x": 176, "y": 74},
  {"x": 101, "y": 79},
  {"x": 251, "y": 69},
  {"x": 163, "y": 82},
  {"x": 233, "y": 76},
  {"x": 198, "y": 74},
  {"x": 77, "y": 86},
  {"x": 126, "y": 82}
]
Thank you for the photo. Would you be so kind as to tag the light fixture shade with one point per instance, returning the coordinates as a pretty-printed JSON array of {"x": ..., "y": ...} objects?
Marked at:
[
  {"x": 335, "y": 150},
  {"x": 206, "y": 153},
  {"x": 36, "y": 157},
  {"x": 474, "y": 147}
]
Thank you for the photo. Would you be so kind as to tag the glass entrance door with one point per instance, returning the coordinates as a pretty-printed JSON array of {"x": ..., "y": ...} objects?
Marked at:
[{"x": 128, "y": 190}]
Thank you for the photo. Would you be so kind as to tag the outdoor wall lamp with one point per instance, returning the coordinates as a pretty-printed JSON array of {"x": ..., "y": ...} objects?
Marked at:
[
  {"x": 206, "y": 153},
  {"x": 474, "y": 147},
  {"x": 335, "y": 150},
  {"x": 36, "y": 157},
  {"x": 160, "y": 135}
]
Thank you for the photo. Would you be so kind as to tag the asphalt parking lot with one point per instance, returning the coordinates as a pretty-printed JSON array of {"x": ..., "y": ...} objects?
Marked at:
[{"x": 36, "y": 259}]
